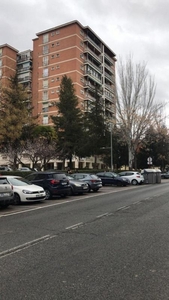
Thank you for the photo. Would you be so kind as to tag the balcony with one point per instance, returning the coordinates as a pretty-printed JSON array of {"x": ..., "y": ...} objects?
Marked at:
[
  {"x": 27, "y": 78},
  {"x": 95, "y": 79},
  {"x": 24, "y": 58},
  {"x": 88, "y": 61},
  {"x": 24, "y": 69},
  {"x": 97, "y": 57},
  {"x": 92, "y": 42},
  {"x": 109, "y": 77},
  {"x": 109, "y": 59}
]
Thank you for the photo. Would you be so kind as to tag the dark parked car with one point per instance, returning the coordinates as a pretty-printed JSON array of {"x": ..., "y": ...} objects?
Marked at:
[
  {"x": 77, "y": 186},
  {"x": 165, "y": 175},
  {"x": 93, "y": 181},
  {"x": 111, "y": 178},
  {"x": 54, "y": 183}
]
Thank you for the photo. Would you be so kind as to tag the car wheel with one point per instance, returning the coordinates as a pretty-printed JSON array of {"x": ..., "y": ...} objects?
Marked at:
[
  {"x": 48, "y": 194},
  {"x": 72, "y": 192},
  {"x": 134, "y": 182},
  {"x": 89, "y": 188},
  {"x": 17, "y": 199},
  {"x": 95, "y": 190}
]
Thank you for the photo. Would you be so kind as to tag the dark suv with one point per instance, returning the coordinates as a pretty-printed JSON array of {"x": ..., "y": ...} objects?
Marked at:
[{"x": 54, "y": 183}]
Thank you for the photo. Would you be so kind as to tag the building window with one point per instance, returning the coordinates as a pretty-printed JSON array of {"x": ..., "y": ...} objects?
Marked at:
[
  {"x": 81, "y": 32},
  {"x": 57, "y": 55},
  {"x": 45, "y": 119},
  {"x": 52, "y": 92},
  {"x": 58, "y": 43},
  {"x": 52, "y": 68},
  {"x": 52, "y": 33},
  {"x": 57, "y": 67},
  {"x": 81, "y": 44},
  {"x": 45, "y": 109},
  {"x": 52, "y": 80},
  {"x": 57, "y": 32},
  {"x": 45, "y": 95},
  {"x": 52, "y": 45},
  {"x": 0, "y": 73},
  {"x": 45, "y": 72},
  {"x": 45, "y": 60},
  {"x": 1, "y": 52},
  {"x": 57, "y": 79},
  {"x": 45, "y": 49},
  {"x": 45, "y": 38},
  {"x": 45, "y": 83},
  {"x": 52, "y": 56},
  {"x": 0, "y": 62}
]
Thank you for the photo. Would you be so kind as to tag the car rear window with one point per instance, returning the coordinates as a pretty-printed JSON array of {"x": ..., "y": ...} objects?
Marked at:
[
  {"x": 94, "y": 176},
  {"x": 57, "y": 176},
  {"x": 3, "y": 181}
]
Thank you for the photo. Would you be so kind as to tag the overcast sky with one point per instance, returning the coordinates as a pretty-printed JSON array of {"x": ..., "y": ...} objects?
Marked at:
[{"x": 137, "y": 27}]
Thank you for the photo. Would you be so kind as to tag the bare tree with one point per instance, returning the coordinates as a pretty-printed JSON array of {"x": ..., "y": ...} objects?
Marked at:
[{"x": 136, "y": 107}]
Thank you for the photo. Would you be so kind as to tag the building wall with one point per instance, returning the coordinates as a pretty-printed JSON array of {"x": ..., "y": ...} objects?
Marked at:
[
  {"x": 8, "y": 56},
  {"x": 56, "y": 52}
]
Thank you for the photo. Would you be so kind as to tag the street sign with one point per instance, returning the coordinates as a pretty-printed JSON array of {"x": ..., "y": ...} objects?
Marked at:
[{"x": 149, "y": 161}]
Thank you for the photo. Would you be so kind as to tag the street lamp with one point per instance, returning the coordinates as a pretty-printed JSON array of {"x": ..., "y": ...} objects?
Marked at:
[{"x": 111, "y": 147}]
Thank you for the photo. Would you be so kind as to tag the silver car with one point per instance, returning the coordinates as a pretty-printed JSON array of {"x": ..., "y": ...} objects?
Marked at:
[{"x": 93, "y": 181}]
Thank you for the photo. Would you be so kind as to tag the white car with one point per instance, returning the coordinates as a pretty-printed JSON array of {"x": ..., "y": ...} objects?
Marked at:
[
  {"x": 24, "y": 191},
  {"x": 134, "y": 177},
  {"x": 24, "y": 169}
]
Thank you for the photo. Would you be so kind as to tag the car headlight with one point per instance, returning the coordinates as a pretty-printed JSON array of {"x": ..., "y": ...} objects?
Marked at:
[
  {"x": 26, "y": 192},
  {"x": 78, "y": 184}
]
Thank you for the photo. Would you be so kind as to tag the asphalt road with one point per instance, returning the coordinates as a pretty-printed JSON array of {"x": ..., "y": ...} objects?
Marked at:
[{"x": 113, "y": 244}]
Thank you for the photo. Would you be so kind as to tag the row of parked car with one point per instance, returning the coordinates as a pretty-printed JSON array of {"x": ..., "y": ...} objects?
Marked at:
[{"x": 39, "y": 186}]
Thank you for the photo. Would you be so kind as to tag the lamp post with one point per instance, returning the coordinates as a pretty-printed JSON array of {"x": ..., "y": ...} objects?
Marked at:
[{"x": 111, "y": 147}]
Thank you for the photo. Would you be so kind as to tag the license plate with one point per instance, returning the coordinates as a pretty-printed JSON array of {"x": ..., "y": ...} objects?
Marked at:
[{"x": 4, "y": 194}]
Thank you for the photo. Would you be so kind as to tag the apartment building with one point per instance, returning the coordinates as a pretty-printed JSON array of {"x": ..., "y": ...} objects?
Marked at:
[
  {"x": 8, "y": 56},
  {"x": 69, "y": 49},
  {"x": 78, "y": 52}
]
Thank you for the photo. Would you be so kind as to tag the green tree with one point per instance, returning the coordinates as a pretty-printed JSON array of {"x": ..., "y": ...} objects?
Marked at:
[
  {"x": 97, "y": 129},
  {"x": 15, "y": 117},
  {"x": 68, "y": 122}
]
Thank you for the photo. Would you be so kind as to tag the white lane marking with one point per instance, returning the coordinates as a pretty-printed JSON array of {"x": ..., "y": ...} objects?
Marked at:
[
  {"x": 25, "y": 245},
  {"x": 74, "y": 226},
  {"x": 103, "y": 215},
  {"x": 122, "y": 207}
]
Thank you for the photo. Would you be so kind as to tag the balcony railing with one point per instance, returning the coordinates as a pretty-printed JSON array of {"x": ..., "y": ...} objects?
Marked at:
[
  {"x": 88, "y": 61},
  {"x": 109, "y": 58},
  {"x": 87, "y": 38},
  {"x": 97, "y": 57},
  {"x": 25, "y": 58},
  {"x": 89, "y": 73}
]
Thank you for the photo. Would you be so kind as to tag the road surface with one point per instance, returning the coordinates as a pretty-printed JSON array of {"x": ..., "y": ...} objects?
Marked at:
[{"x": 113, "y": 244}]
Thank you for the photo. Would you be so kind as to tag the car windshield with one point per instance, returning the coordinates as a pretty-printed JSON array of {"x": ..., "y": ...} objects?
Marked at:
[
  {"x": 70, "y": 178},
  {"x": 115, "y": 175},
  {"x": 18, "y": 181}
]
